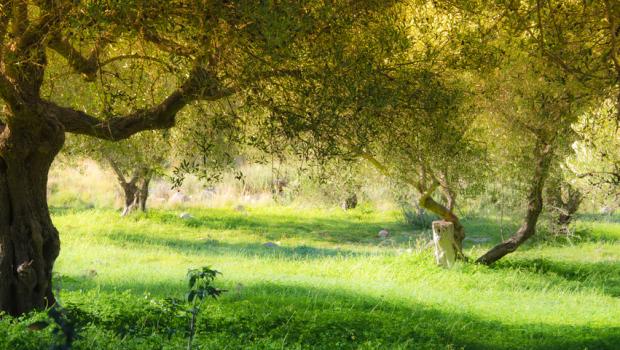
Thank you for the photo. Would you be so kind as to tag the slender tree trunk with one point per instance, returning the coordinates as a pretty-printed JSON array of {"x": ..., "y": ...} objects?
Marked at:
[
  {"x": 144, "y": 190},
  {"x": 29, "y": 242},
  {"x": 544, "y": 156}
]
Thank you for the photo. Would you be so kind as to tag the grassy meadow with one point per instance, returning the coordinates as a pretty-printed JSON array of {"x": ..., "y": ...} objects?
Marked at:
[{"x": 325, "y": 281}]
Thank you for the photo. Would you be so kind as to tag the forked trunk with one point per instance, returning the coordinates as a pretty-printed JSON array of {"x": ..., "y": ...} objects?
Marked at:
[
  {"x": 136, "y": 195},
  {"x": 29, "y": 242},
  {"x": 135, "y": 191},
  {"x": 534, "y": 208}
]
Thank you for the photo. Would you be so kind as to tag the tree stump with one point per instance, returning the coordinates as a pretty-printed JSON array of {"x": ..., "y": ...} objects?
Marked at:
[{"x": 443, "y": 237}]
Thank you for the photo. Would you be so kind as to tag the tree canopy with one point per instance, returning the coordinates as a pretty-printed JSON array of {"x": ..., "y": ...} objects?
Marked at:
[{"x": 437, "y": 95}]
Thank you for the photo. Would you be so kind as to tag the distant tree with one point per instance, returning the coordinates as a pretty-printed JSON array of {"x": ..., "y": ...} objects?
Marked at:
[
  {"x": 396, "y": 98},
  {"x": 134, "y": 162},
  {"x": 595, "y": 161},
  {"x": 532, "y": 104},
  {"x": 562, "y": 199}
]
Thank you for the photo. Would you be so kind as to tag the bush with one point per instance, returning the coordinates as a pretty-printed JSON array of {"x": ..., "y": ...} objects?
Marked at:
[{"x": 417, "y": 217}]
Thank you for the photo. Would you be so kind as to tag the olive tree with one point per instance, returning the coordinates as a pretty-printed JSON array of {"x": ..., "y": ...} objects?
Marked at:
[
  {"x": 393, "y": 98},
  {"x": 134, "y": 163},
  {"x": 595, "y": 161},
  {"x": 215, "y": 49}
]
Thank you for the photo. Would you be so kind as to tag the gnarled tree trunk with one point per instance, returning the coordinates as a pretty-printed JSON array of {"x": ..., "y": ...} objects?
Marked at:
[
  {"x": 135, "y": 191},
  {"x": 527, "y": 229},
  {"x": 29, "y": 242}
]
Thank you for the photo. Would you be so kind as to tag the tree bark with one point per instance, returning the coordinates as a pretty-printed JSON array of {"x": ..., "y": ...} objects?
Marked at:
[
  {"x": 132, "y": 198},
  {"x": 29, "y": 242},
  {"x": 527, "y": 229}
]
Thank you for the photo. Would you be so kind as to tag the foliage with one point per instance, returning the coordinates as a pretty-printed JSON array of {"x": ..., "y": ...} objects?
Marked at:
[{"x": 595, "y": 162}]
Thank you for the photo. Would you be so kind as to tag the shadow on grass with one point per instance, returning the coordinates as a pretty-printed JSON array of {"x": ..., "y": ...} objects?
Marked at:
[
  {"x": 491, "y": 232},
  {"x": 486, "y": 229},
  {"x": 216, "y": 247},
  {"x": 290, "y": 315},
  {"x": 66, "y": 210},
  {"x": 275, "y": 227},
  {"x": 603, "y": 276},
  {"x": 347, "y": 230},
  {"x": 589, "y": 217}
]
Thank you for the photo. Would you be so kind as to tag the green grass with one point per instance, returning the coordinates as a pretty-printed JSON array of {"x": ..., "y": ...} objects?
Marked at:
[{"x": 330, "y": 284}]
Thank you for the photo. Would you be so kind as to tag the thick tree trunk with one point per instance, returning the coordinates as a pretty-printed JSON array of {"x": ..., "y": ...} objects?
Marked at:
[
  {"x": 29, "y": 242},
  {"x": 544, "y": 155}
]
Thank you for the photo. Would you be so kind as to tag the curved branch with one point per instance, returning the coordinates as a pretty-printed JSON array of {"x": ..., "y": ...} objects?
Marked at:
[
  {"x": 161, "y": 116},
  {"x": 89, "y": 66},
  {"x": 201, "y": 85},
  {"x": 85, "y": 65},
  {"x": 167, "y": 45}
]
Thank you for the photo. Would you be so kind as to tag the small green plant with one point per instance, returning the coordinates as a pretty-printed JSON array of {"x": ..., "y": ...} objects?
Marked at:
[{"x": 200, "y": 288}]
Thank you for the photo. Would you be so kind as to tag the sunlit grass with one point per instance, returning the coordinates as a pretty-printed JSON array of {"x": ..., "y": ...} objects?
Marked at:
[{"x": 331, "y": 283}]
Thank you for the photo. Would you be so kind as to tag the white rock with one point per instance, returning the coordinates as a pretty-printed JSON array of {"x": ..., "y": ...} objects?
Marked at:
[
  {"x": 186, "y": 216},
  {"x": 383, "y": 234},
  {"x": 478, "y": 239}
]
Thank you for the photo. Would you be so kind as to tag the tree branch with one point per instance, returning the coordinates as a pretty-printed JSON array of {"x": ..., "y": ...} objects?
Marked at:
[
  {"x": 201, "y": 85},
  {"x": 117, "y": 170},
  {"x": 88, "y": 66},
  {"x": 81, "y": 64},
  {"x": 167, "y": 45},
  {"x": 161, "y": 116}
]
